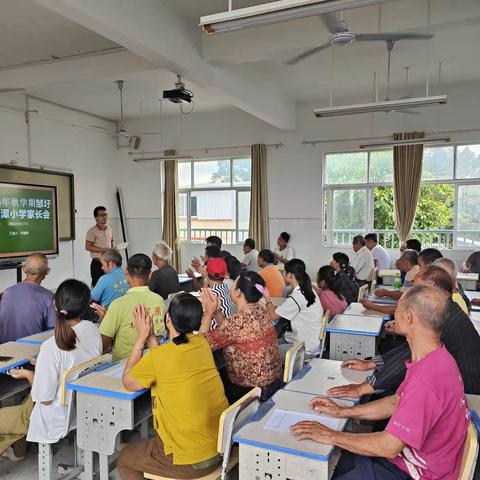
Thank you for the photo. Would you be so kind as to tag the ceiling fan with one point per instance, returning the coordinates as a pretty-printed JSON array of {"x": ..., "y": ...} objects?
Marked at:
[{"x": 341, "y": 35}]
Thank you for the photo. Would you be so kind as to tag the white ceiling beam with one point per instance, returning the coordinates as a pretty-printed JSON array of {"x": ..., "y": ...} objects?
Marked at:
[{"x": 152, "y": 31}]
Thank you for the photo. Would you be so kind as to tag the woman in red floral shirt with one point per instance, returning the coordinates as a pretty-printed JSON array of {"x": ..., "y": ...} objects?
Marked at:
[{"x": 248, "y": 339}]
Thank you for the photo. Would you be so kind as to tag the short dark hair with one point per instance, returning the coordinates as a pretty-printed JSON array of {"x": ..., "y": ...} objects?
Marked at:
[
  {"x": 214, "y": 240},
  {"x": 225, "y": 254},
  {"x": 372, "y": 236},
  {"x": 234, "y": 267},
  {"x": 98, "y": 209},
  {"x": 212, "y": 251},
  {"x": 413, "y": 244},
  {"x": 342, "y": 259},
  {"x": 359, "y": 239},
  {"x": 139, "y": 266},
  {"x": 246, "y": 282},
  {"x": 267, "y": 255},
  {"x": 186, "y": 314},
  {"x": 429, "y": 255},
  {"x": 285, "y": 237},
  {"x": 250, "y": 243}
]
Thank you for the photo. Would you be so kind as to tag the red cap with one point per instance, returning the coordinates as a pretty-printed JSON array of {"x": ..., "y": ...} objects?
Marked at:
[{"x": 217, "y": 267}]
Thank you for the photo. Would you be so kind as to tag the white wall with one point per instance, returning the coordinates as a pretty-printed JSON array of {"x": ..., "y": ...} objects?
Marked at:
[
  {"x": 58, "y": 141},
  {"x": 295, "y": 171}
]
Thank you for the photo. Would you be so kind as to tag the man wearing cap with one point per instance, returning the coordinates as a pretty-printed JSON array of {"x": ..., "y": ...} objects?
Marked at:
[{"x": 216, "y": 273}]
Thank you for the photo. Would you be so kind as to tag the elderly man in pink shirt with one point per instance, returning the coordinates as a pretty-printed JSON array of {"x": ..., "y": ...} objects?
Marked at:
[{"x": 425, "y": 435}]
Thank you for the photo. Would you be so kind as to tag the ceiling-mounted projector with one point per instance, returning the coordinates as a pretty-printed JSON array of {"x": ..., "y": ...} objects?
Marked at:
[{"x": 179, "y": 94}]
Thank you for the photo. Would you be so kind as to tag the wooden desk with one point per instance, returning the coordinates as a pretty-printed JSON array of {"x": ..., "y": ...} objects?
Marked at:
[
  {"x": 321, "y": 374},
  {"x": 37, "y": 338},
  {"x": 21, "y": 353},
  {"x": 268, "y": 453},
  {"x": 468, "y": 280},
  {"x": 104, "y": 409},
  {"x": 353, "y": 336}
]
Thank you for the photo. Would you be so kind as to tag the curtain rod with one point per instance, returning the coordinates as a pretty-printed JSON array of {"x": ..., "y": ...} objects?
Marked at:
[
  {"x": 385, "y": 137},
  {"x": 207, "y": 149}
]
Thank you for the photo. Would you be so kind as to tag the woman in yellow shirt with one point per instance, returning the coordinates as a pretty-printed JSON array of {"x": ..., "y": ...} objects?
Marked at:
[{"x": 187, "y": 396}]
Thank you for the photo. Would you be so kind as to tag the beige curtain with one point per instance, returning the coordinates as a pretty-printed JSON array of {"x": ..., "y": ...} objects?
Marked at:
[
  {"x": 258, "y": 227},
  {"x": 170, "y": 210},
  {"x": 407, "y": 174}
]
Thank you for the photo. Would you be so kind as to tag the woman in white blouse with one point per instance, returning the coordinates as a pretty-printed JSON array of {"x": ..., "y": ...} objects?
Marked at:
[
  {"x": 41, "y": 416},
  {"x": 283, "y": 253}
]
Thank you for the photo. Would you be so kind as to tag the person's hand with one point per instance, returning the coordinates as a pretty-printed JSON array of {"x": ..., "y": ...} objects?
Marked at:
[
  {"x": 203, "y": 271},
  {"x": 190, "y": 273},
  {"x": 33, "y": 361},
  {"x": 381, "y": 292},
  {"x": 266, "y": 295},
  {"x": 367, "y": 304},
  {"x": 101, "y": 310},
  {"x": 203, "y": 259},
  {"x": 358, "y": 364},
  {"x": 276, "y": 256},
  {"x": 21, "y": 373},
  {"x": 196, "y": 264},
  {"x": 143, "y": 323},
  {"x": 210, "y": 301},
  {"x": 315, "y": 431},
  {"x": 352, "y": 390},
  {"x": 326, "y": 405},
  {"x": 390, "y": 327}
]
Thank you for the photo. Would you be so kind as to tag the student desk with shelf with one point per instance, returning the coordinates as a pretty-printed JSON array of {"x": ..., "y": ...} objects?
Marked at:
[
  {"x": 104, "y": 409},
  {"x": 37, "y": 338},
  {"x": 321, "y": 374},
  {"x": 268, "y": 454},
  {"x": 353, "y": 336}
]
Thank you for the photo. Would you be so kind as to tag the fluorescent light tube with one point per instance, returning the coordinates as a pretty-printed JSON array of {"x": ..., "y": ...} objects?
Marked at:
[
  {"x": 276, "y": 12},
  {"x": 412, "y": 141},
  {"x": 386, "y": 106},
  {"x": 163, "y": 157}
]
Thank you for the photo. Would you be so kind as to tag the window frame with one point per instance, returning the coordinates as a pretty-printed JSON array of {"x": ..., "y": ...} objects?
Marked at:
[
  {"x": 230, "y": 187},
  {"x": 327, "y": 203}
]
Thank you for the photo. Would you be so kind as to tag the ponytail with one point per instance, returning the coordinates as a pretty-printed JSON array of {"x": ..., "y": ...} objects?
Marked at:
[
  {"x": 71, "y": 301},
  {"x": 182, "y": 338},
  {"x": 298, "y": 269}
]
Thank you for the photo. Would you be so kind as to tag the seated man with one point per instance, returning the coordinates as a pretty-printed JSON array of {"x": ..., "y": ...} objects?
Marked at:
[
  {"x": 458, "y": 294},
  {"x": 458, "y": 335},
  {"x": 425, "y": 435},
  {"x": 427, "y": 257},
  {"x": 118, "y": 326},
  {"x": 251, "y": 255},
  {"x": 381, "y": 257},
  {"x": 112, "y": 284},
  {"x": 274, "y": 280},
  {"x": 407, "y": 264},
  {"x": 164, "y": 281},
  {"x": 362, "y": 261},
  {"x": 211, "y": 251},
  {"x": 27, "y": 308}
]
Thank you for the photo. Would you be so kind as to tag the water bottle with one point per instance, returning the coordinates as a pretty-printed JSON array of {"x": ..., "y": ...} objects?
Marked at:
[{"x": 397, "y": 284}]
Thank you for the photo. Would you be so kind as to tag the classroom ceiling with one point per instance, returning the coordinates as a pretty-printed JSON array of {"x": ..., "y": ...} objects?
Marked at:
[{"x": 243, "y": 69}]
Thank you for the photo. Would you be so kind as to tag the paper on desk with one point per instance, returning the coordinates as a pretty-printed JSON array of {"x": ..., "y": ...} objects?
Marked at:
[
  {"x": 122, "y": 246},
  {"x": 116, "y": 372},
  {"x": 282, "y": 420}
]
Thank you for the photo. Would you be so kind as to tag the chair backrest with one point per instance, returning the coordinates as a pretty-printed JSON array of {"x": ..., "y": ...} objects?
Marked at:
[
  {"x": 362, "y": 291},
  {"x": 232, "y": 420},
  {"x": 470, "y": 454},
  {"x": 322, "y": 334},
  {"x": 67, "y": 398},
  {"x": 294, "y": 361},
  {"x": 374, "y": 279}
]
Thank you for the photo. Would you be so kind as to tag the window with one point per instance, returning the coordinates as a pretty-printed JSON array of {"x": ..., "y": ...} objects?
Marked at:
[
  {"x": 448, "y": 209},
  {"x": 214, "y": 199}
]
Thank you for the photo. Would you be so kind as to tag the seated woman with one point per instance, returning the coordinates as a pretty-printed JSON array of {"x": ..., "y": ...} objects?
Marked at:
[
  {"x": 248, "y": 339},
  {"x": 330, "y": 291},
  {"x": 270, "y": 273},
  {"x": 187, "y": 396},
  {"x": 302, "y": 308},
  {"x": 75, "y": 341},
  {"x": 346, "y": 274}
]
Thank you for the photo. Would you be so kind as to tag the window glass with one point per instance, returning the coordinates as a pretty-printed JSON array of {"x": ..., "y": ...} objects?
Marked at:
[
  {"x": 243, "y": 215},
  {"x": 348, "y": 215},
  {"x": 213, "y": 174},
  {"x": 342, "y": 168},
  {"x": 182, "y": 216},
  {"x": 437, "y": 163},
  {"x": 242, "y": 172},
  {"x": 381, "y": 166},
  {"x": 185, "y": 175},
  {"x": 468, "y": 216},
  {"x": 468, "y": 161}
]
